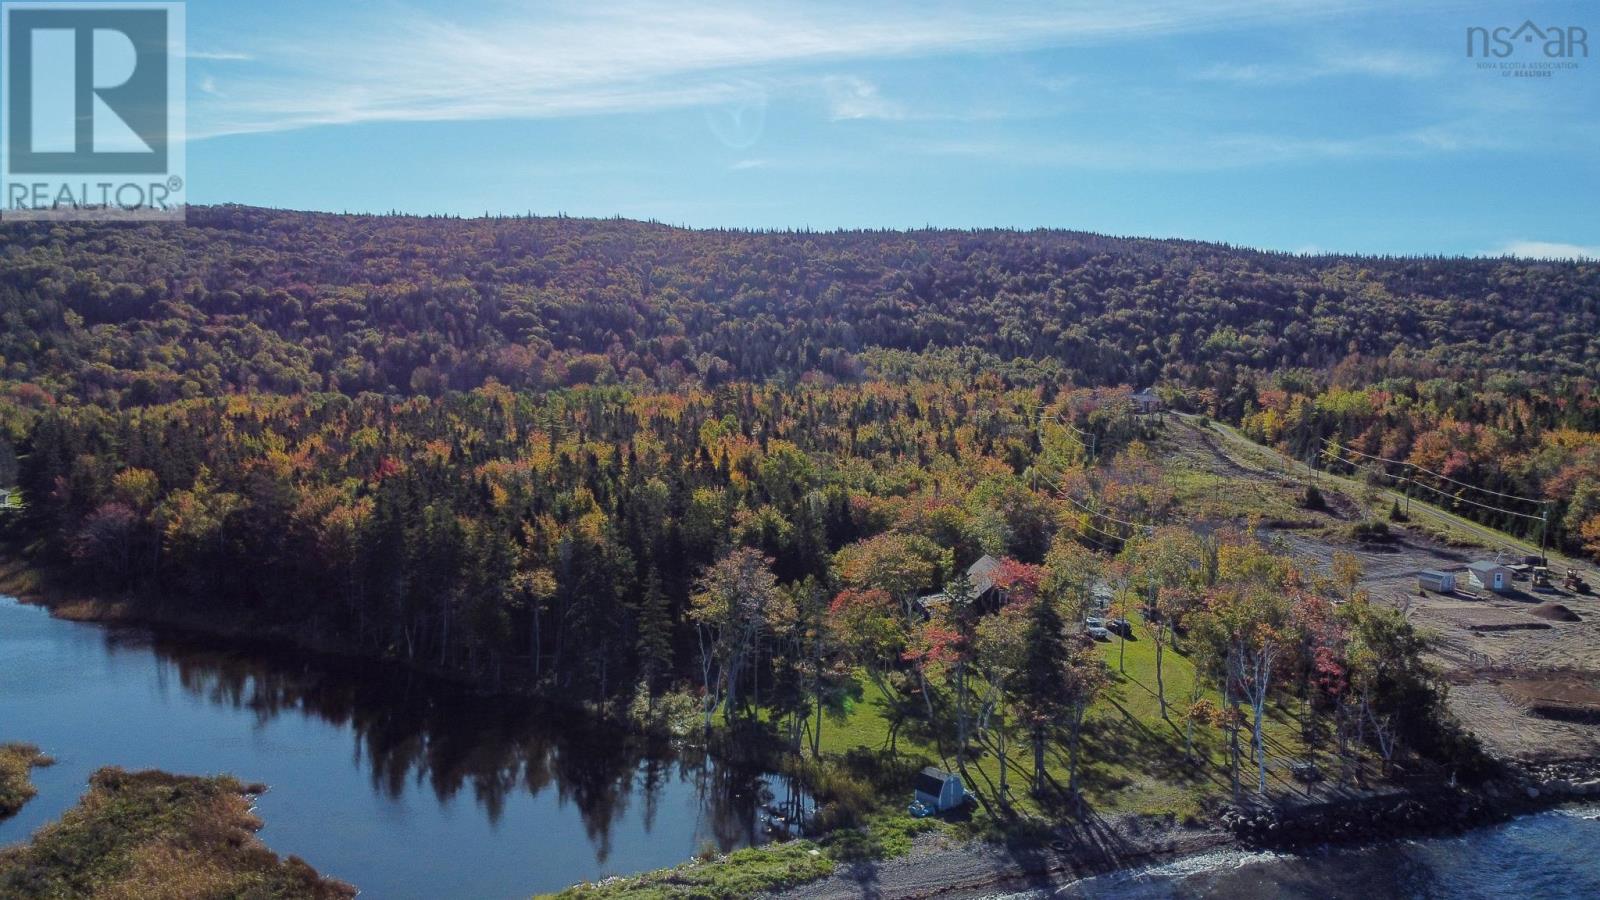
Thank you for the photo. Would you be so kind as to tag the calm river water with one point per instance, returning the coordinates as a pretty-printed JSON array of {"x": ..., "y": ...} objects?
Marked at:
[{"x": 396, "y": 784}]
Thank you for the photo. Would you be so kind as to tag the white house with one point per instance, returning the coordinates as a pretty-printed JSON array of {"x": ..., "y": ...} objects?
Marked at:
[{"x": 1490, "y": 576}]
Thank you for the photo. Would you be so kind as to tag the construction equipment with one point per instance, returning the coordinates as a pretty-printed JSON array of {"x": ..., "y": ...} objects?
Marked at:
[
  {"x": 1541, "y": 577},
  {"x": 1575, "y": 583}
]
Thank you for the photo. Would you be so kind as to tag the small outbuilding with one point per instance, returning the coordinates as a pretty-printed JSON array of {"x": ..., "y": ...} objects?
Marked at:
[
  {"x": 985, "y": 593},
  {"x": 1491, "y": 576},
  {"x": 1145, "y": 401},
  {"x": 1436, "y": 581},
  {"x": 939, "y": 791}
]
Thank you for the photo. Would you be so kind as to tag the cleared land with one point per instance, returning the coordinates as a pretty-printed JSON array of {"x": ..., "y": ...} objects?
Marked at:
[{"x": 1499, "y": 652}]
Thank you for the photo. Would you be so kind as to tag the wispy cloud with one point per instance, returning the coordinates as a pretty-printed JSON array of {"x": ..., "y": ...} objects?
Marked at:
[
  {"x": 1548, "y": 250},
  {"x": 572, "y": 58},
  {"x": 856, "y": 98},
  {"x": 1193, "y": 152},
  {"x": 218, "y": 55},
  {"x": 1327, "y": 64}
]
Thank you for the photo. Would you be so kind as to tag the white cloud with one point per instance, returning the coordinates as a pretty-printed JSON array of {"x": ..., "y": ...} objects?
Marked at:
[
  {"x": 1327, "y": 64},
  {"x": 1548, "y": 250},
  {"x": 218, "y": 55},
  {"x": 571, "y": 58},
  {"x": 856, "y": 98},
  {"x": 1200, "y": 152}
]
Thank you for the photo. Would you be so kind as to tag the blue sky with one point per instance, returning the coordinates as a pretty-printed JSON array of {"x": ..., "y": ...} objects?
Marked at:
[{"x": 1302, "y": 125}]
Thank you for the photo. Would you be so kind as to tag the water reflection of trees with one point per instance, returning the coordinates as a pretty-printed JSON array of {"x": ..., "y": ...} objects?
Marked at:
[{"x": 412, "y": 731}]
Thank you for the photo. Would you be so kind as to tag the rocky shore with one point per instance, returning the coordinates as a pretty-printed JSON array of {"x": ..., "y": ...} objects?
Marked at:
[
  {"x": 941, "y": 867},
  {"x": 1523, "y": 788}
]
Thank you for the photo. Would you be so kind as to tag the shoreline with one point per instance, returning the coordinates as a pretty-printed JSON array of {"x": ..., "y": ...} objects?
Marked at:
[
  {"x": 943, "y": 866},
  {"x": 32, "y": 586},
  {"x": 35, "y": 586}
]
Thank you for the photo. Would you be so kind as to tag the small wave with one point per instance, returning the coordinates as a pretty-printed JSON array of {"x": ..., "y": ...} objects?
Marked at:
[
  {"x": 1155, "y": 880},
  {"x": 1585, "y": 811}
]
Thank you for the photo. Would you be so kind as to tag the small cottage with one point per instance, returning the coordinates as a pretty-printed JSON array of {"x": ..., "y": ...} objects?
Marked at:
[
  {"x": 940, "y": 791},
  {"x": 1491, "y": 576},
  {"x": 985, "y": 592},
  {"x": 1436, "y": 581},
  {"x": 1146, "y": 401}
]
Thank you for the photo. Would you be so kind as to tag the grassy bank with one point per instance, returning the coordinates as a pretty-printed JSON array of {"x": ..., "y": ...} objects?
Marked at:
[
  {"x": 16, "y": 761},
  {"x": 758, "y": 870},
  {"x": 1134, "y": 763},
  {"x": 155, "y": 835},
  {"x": 28, "y": 583}
]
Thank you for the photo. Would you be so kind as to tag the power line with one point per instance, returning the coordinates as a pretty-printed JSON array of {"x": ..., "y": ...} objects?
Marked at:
[
  {"x": 1433, "y": 473},
  {"x": 1451, "y": 496},
  {"x": 1425, "y": 486},
  {"x": 1087, "y": 439},
  {"x": 1059, "y": 420},
  {"x": 1060, "y": 492}
]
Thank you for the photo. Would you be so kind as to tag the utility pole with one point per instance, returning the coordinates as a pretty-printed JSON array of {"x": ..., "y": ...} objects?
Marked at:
[
  {"x": 1544, "y": 531},
  {"x": 1407, "y": 488}
]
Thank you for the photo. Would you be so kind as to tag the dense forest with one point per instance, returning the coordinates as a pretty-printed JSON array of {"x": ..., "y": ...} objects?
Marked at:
[
  {"x": 528, "y": 449},
  {"x": 1481, "y": 370},
  {"x": 253, "y": 300}
]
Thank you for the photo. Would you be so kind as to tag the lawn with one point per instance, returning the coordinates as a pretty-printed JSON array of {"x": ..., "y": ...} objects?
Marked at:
[{"x": 1132, "y": 760}]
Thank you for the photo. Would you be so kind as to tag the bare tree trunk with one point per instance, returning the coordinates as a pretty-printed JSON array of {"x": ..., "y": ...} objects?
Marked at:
[
  {"x": 927, "y": 701},
  {"x": 1233, "y": 731},
  {"x": 961, "y": 717},
  {"x": 1261, "y": 749},
  {"x": 1000, "y": 753},
  {"x": 1072, "y": 761},
  {"x": 1161, "y": 688},
  {"x": 1038, "y": 760},
  {"x": 816, "y": 733}
]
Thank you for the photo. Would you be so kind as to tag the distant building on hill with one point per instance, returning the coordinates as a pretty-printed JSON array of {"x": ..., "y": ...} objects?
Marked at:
[{"x": 1145, "y": 401}]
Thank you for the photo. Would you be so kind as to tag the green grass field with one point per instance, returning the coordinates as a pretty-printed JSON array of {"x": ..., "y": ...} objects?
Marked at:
[{"x": 1132, "y": 759}]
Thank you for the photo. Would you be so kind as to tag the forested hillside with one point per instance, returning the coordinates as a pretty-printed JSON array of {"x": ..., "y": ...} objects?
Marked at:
[
  {"x": 249, "y": 299},
  {"x": 512, "y": 447}
]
